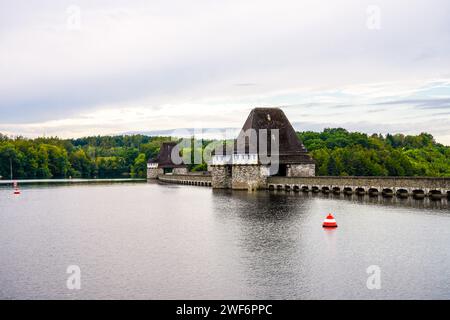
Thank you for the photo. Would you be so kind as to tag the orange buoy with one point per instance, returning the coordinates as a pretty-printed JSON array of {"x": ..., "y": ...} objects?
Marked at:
[
  {"x": 16, "y": 187},
  {"x": 329, "y": 222}
]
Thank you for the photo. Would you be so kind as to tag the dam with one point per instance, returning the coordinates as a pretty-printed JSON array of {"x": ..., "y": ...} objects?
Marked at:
[
  {"x": 241, "y": 167},
  {"x": 402, "y": 187}
]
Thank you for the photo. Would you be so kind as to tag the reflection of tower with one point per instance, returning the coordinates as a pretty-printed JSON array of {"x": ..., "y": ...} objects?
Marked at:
[
  {"x": 269, "y": 245},
  {"x": 248, "y": 164}
]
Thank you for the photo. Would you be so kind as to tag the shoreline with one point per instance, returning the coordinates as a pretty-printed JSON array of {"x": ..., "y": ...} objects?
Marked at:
[{"x": 69, "y": 181}]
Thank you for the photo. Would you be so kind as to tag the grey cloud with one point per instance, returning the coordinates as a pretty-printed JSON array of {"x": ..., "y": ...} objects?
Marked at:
[
  {"x": 172, "y": 53},
  {"x": 431, "y": 103},
  {"x": 435, "y": 127}
]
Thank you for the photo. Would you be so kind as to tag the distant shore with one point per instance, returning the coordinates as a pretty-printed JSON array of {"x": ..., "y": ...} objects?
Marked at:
[{"x": 68, "y": 181}]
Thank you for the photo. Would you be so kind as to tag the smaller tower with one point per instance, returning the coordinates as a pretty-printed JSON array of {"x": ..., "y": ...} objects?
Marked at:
[{"x": 163, "y": 163}]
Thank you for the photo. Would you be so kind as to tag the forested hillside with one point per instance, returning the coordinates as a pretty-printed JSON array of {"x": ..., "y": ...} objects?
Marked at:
[
  {"x": 339, "y": 152},
  {"x": 336, "y": 152},
  {"x": 91, "y": 157}
]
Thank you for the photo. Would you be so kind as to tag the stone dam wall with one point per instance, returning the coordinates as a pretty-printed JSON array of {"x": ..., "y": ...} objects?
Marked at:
[
  {"x": 188, "y": 179},
  {"x": 418, "y": 187}
]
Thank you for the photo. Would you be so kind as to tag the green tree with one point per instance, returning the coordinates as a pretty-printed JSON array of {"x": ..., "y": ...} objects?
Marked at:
[
  {"x": 82, "y": 166},
  {"x": 139, "y": 168},
  {"x": 58, "y": 161}
]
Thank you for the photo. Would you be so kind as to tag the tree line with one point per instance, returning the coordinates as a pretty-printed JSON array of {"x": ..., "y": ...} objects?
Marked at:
[
  {"x": 336, "y": 152},
  {"x": 90, "y": 157}
]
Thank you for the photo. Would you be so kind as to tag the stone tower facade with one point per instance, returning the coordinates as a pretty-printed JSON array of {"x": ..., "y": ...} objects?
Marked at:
[{"x": 267, "y": 133}]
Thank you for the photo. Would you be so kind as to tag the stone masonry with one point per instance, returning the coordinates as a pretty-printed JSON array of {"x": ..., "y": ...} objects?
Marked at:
[
  {"x": 249, "y": 177},
  {"x": 152, "y": 173},
  {"x": 301, "y": 170},
  {"x": 221, "y": 177},
  {"x": 180, "y": 171}
]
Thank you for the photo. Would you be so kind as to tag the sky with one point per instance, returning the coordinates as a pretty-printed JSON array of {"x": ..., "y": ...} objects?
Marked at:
[{"x": 78, "y": 68}]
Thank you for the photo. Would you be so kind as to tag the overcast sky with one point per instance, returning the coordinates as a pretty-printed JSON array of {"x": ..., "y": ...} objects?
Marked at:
[{"x": 76, "y": 68}]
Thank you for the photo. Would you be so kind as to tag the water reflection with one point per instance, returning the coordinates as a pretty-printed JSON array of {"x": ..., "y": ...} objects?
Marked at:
[
  {"x": 285, "y": 253},
  {"x": 425, "y": 203},
  {"x": 154, "y": 241},
  {"x": 269, "y": 238}
]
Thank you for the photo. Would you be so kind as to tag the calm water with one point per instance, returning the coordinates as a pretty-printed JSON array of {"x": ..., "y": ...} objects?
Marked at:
[{"x": 152, "y": 241}]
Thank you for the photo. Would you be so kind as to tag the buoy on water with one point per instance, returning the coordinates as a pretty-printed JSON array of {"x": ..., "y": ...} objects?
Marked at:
[
  {"x": 16, "y": 187},
  {"x": 329, "y": 222}
]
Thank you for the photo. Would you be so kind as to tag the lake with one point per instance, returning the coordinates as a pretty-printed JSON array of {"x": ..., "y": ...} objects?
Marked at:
[{"x": 156, "y": 241}]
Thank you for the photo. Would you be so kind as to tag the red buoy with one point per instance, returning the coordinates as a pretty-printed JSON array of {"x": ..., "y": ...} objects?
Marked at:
[
  {"x": 329, "y": 222},
  {"x": 16, "y": 187}
]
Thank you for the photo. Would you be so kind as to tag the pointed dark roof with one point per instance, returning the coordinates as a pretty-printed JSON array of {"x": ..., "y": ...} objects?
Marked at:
[
  {"x": 164, "y": 159},
  {"x": 291, "y": 149}
]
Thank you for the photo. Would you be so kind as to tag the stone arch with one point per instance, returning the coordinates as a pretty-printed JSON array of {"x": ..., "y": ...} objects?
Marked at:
[
  {"x": 305, "y": 188},
  {"x": 296, "y": 188},
  {"x": 348, "y": 191},
  {"x": 315, "y": 189},
  {"x": 336, "y": 190},
  {"x": 418, "y": 194},
  {"x": 287, "y": 187},
  {"x": 325, "y": 190},
  {"x": 373, "y": 192},
  {"x": 435, "y": 194},
  {"x": 279, "y": 187},
  {"x": 271, "y": 187},
  {"x": 387, "y": 192},
  {"x": 402, "y": 193},
  {"x": 360, "y": 191}
]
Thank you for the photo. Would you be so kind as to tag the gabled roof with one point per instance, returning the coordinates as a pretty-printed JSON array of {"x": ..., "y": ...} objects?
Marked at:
[
  {"x": 164, "y": 159},
  {"x": 291, "y": 149}
]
